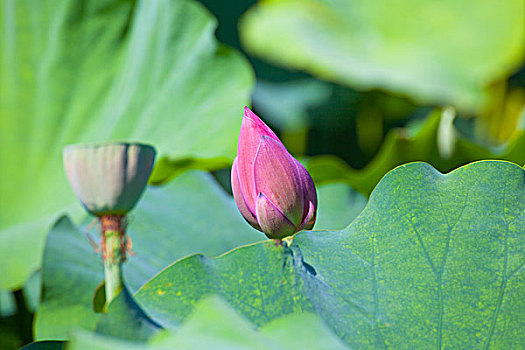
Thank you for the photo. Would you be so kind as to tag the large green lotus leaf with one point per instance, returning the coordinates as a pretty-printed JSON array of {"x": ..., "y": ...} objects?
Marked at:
[
  {"x": 444, "y": 52},
  {"x": 188, "y": 215},
  {"x": 96, "y": 70},
  {"x": 419, "y": 142},
  {"x": 434, "y": 261}
]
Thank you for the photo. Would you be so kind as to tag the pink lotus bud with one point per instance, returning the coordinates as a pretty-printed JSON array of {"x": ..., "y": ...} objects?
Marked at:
[{"x": 273, "y": 191}]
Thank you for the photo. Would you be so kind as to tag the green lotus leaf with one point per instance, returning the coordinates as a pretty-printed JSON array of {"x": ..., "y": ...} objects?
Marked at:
[{"x": 433, "y": 261}]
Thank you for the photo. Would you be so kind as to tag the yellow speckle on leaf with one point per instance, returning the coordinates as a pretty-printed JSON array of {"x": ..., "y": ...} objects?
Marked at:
[{"x": 160, "y": 292}]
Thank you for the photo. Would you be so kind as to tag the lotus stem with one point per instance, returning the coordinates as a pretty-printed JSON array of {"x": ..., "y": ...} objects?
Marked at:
[{"x": 114, "y": 253}]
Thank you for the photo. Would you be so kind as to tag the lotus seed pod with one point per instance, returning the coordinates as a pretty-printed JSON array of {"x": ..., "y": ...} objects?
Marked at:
[{"x": 108, "y": 178}]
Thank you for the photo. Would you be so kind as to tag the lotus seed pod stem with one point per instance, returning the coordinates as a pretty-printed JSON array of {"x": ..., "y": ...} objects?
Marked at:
[{"x": 114, "y": 253}]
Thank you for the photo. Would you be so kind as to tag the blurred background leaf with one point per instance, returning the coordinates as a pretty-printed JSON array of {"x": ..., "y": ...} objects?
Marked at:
[
  {"x": 432, "y": 51},
  {"x": 434, "y": 139},
  {"x": 83, "y": 71}
]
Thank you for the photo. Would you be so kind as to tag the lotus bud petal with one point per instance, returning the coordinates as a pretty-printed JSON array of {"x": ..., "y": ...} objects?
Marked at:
[
  {"x": 241, "y": 200},
  {"x": 272, "y": 219},
  {"x": 272, "y": 190},
  {"x": 108, "y": 179}
]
